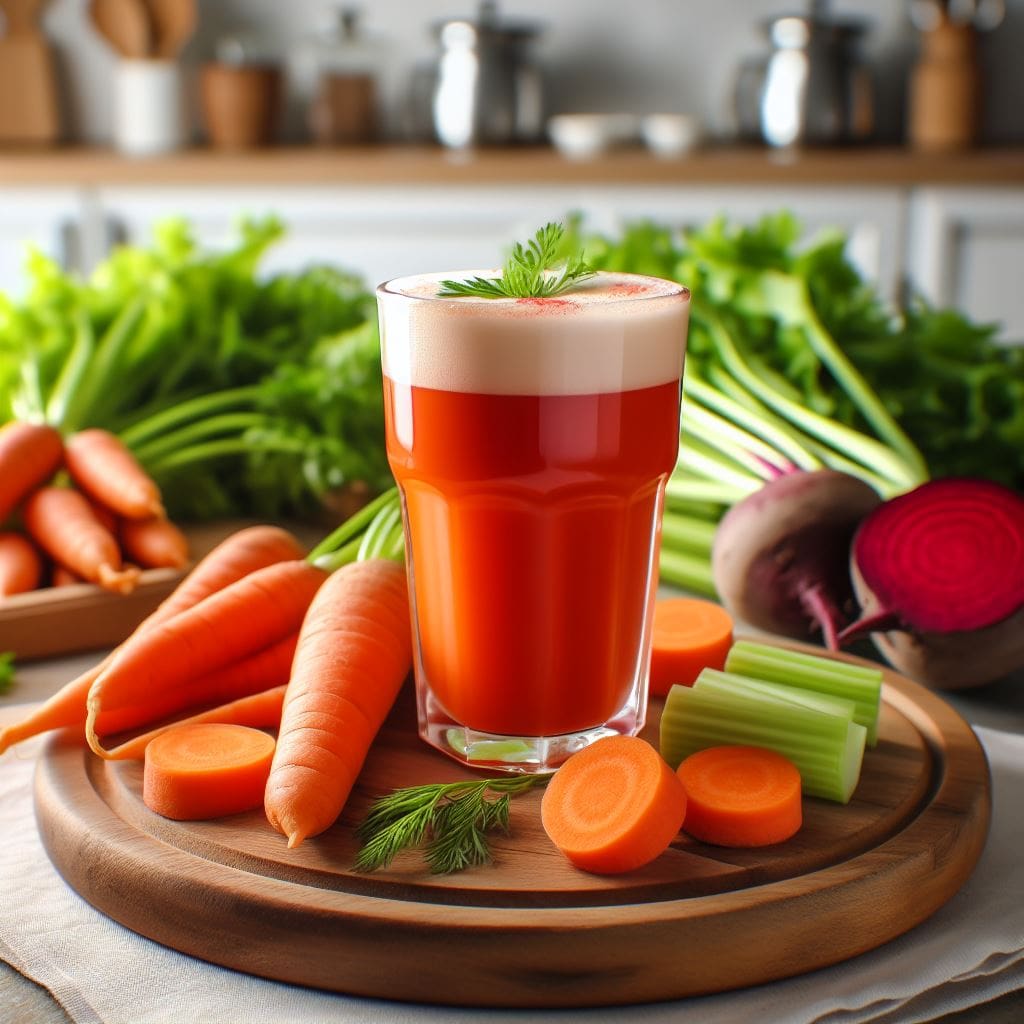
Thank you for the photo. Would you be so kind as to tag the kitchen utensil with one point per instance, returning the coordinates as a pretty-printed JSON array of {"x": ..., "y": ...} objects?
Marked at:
[
  {"x": 125, "y": 25},
  {"x": 149, "y": 107},
  {"x": 487, "y": 89},
  {"x": 29, "y": 108},
  {"x": 240, "y": 103},
  {"x": 814, "y": 88},
  {"x": 173, "y": 23},
  {"x": 530, "y": 930},
  {"x": 945, "y": 89}
]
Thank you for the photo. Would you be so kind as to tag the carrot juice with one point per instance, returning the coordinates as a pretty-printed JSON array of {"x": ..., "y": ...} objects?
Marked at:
[{"x": 531, "y": 440}]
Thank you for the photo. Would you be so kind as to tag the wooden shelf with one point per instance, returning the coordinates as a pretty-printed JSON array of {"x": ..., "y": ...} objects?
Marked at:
[{"x": 399, "y": 165}]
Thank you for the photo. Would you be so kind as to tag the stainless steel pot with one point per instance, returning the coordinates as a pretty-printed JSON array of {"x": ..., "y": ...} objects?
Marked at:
[
  {"x": 811, "y": 88},
  {"x": 487, "y": 90}
]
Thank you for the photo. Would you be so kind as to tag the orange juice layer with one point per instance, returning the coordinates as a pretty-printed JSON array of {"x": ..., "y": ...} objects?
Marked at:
[{"x": 532, "y": 524}]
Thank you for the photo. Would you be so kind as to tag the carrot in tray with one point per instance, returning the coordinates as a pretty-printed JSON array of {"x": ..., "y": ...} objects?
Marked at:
[
  {"x": 249, "y": 677},
  {"x": 62, "y": 576},
  {"x": 63, "y": 524},
  {"x": 355, "y": 650},
  {"x": 153, "y": 543},
  {"x": 105, "y": 469},
  {"x": 252, "y": 613},
  {"x": 234, "y": 558},
  {"x": 259, "y": 710},
  {"x": 30, "y": 453},
  {"x": 21, "y": 567},
  {"x": 206, "y": 770}
]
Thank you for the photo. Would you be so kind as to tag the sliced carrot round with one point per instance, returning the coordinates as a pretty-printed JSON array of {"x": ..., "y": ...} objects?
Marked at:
[
  {"x": 205, "y": 770},
  {"x": 688, "y": 634},
  {"x": 741, "y": 796},
  {"x": 613, "y": 806}
]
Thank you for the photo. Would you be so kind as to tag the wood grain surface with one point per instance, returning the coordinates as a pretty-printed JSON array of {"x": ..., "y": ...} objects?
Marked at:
[{"x": 531, "y": 930}]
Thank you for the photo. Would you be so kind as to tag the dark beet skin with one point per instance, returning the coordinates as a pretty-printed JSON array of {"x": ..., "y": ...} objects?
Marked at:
[{"x": 781, "y": 556}]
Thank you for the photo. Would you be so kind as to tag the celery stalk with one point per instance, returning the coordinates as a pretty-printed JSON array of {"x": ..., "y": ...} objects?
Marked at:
[
  {"x": 827, "y": 749},
  {"x": 858, "y": 683},
  {"x": 713, "y": 681}
]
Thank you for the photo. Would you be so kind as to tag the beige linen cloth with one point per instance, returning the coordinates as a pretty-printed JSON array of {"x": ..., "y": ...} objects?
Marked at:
[{"x": 969, "y": 952}]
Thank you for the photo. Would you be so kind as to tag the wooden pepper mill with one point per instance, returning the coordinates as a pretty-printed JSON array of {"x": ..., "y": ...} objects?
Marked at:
[{"x": 945, "y": 89}]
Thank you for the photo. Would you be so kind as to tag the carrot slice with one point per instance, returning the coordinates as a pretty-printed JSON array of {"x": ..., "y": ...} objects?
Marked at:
[
  {"x": 613, "y": 806},
  {"x": 741, "y": 796},
  {"x": 259, "y": 710},
  {"x": 689, "y": 634},
  {"x": 206, "y": 770}
]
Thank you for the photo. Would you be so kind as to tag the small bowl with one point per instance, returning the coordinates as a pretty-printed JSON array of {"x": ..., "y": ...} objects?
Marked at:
[
  {"x": 582, "y": 136},
  {"x": 670, "y": 134}
]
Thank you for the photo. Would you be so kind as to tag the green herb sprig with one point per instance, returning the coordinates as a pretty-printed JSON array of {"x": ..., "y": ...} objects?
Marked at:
[
  {"x": 6, "y": 671},
  {"x": 531, "y": 271},
  {"x": 453, "y": 819}
]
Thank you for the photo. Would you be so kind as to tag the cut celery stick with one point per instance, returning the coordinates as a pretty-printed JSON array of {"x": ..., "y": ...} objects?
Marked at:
[
  {"x": 729, "y": 682},
  {"x": 827, "y": 749},
  {"x": 859, "y": 683}
]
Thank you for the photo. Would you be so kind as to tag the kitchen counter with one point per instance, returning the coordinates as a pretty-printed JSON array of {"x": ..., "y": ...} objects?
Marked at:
[
  {"x": 426, "y": 165},
  {"x": 999, "y": 706}
]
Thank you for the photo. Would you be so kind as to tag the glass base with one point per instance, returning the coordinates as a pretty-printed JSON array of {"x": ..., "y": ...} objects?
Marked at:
[{"x": 524, "y": 755}]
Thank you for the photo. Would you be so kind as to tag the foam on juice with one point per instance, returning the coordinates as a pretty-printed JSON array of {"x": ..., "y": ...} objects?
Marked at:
[{"x": 615, "y": 332}]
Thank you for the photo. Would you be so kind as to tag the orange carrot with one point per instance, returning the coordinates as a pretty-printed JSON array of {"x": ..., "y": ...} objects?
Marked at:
[
  {"x": 259, "y": 710},
  {"x": 103, "y": 467},
  {"x": 234, "y": 558},
  {"x": 256, "y": 611},
  {"x": 251, "y": 675},
  {"x": 613, "y": 806},
  {"x": 30, "y": 453},
  {"x": 21, "y": 568},
  {"x": 741, "y": 796},
  {"x": 62, "y": 523},
  {"x": 61, "y": 576},
  {"x": 200, "y": 771},
  {"x": 689, "y": 634},
  {"x": 154, "y": 543},
  {"x": 355, "y": 649}
]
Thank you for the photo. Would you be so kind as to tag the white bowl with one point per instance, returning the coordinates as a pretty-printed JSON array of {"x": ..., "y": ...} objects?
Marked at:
[
  {"x": 670, "y": 134},
  {"x": 581, "y": 136}
]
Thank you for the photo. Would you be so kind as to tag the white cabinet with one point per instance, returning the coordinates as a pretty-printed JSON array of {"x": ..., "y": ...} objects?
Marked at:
[
  {"x": 48, "y": 219},
  {"x": 386, "y": 232},
  {"x": 966, "y": 250}
]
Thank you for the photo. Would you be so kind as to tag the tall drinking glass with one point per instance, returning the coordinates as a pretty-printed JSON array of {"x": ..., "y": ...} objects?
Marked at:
[{"x": 531, "y": 440}]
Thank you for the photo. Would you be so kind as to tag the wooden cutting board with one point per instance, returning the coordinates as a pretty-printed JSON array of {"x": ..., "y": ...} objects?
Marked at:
[
  {"x": 531, "y": 930},
  {"x": 29, "y": 109}
]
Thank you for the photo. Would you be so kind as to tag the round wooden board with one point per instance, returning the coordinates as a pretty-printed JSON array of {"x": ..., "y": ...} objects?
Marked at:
[{"x": 530, "y": 930}]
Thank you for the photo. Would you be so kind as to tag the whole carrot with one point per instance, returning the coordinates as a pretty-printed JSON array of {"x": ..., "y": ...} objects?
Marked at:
[
  {"x": 64, "y": 525},
  {"x": 61, "y": 576},
  {"x": 250, "y": 614},
  {"x": 154, "y": 543},
  {"x": 103, "y": 467},
  {"x": 254, "y": 674},
  {"x": 235, "y": 557},
  {"x": 355, "y": 649},
  {"x": 21, "y": 568},
  {"x": 30, "y": 453}
]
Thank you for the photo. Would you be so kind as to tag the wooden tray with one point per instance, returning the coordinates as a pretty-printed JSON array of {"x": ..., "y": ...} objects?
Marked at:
[{"x": 530, "y": 930}]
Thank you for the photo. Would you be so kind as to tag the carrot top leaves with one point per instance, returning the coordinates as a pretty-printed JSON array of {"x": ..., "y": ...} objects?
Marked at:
[
  {"x": 456, "y": 816},
  {"x": 6, "y": 671}
]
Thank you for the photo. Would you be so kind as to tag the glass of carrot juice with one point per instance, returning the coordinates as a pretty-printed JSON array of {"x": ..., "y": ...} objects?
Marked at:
[{"x": 531, "y": 440}]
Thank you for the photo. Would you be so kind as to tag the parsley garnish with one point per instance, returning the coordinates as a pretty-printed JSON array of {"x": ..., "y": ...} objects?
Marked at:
[{"x": 530, "y": 272}]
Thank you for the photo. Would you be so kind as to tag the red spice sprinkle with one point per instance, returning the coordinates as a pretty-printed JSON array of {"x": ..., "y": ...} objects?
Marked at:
[
  {"x": 545, "y": 301},
  {"x": 627, "y": 289}
]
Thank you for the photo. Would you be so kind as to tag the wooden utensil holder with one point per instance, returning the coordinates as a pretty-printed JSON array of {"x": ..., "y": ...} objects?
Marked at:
[{"x": 945, "y": 90}]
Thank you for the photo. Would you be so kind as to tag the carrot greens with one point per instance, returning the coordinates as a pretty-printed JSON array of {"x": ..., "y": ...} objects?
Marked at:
[{"x": 6, "y": 671}]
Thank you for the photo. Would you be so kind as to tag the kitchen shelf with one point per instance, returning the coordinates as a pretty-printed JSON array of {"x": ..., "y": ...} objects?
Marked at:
[{"x": 424, "y": 165}]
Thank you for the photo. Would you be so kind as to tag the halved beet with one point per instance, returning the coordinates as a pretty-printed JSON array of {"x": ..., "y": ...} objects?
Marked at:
[{"x": 939, "y": 574}]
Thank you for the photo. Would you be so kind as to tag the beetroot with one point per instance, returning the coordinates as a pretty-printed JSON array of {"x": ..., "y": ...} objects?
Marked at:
[
  {"x": 939, "y": 574},
  {"x": 781, "y": 556}
]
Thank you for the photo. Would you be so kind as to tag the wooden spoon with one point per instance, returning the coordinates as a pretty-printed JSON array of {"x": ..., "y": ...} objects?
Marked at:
[
  {"x": 174, "y": 21},
  {"x": 125, "y": 25}
]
